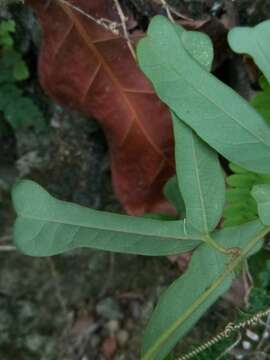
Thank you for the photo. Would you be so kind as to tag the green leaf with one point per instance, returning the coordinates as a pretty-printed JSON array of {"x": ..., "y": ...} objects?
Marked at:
[
  {"x": 200, "y": 178},
  {"x": 261, "y": 102},
  {"x": 235, "y": 221},
  {"x": 199, "y": 46},
  {"x": 7, "y": 26},
  {"x": 20, "y": 71},
  {"x": 6, "y": 72},
  {"x": 173, "y": 195},
  {"x": 240, "y": 205},
  {"x": 9, "y": 94},
  {"x": 209, "y": 275},
  {"x": 242, "y": 212},
  {"x": 217, "y": 114},
  {"x": 264, "y": 84},
  {"x": 254, "y": 42},
  {"x": 261, "y": 194},
  {"x": 237, "y": 195},
  {"x": 6, "y": 41},
  {"x": 169, "y": 357},
  {"x": 24, "y": 114},
  {"x": 242, "y": 181},
  {"x": 264, "y": 179},
  {"x": 197, "y": 165},
  {"x": 47, "y": 226},
  {"x": 159, "y": 216},
  {"x": 237, "y": 169},
  {"x": 10, "y": 57}
]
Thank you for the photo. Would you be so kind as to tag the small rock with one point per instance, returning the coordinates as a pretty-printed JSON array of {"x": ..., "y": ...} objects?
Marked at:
[
  {"x": 129, "y": 324},
  {"x": 147, "y": 310},
  {"x": 95, "y": 340},
  {"x": 35, "y": 342},
  {"x": 120, "y": 357},
  {"x": 246, "y": 345},
  {"x": 113, "y": 326},
  {"x": 135, "y": 308},
  {"x": 122, "y": 338},
  {"x": 109, "y": 347},
  {"x": 109, "y": 309}
]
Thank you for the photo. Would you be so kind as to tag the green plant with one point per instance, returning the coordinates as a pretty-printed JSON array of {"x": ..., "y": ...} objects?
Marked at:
[
  {"x": 240, "y": 205},
  {"x": 208, "y": 118},
  {"x": 261, "y": 100},
  {"x": 18, "y": 109}
]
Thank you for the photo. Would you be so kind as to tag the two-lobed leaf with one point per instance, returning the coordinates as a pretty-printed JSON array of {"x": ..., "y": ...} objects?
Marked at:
[
  {"x": 218, "y": 114},
  {"x": 46, "y": 226},
  {"x": 254, "y": 42},
  {"x": 209, "y": 275}
]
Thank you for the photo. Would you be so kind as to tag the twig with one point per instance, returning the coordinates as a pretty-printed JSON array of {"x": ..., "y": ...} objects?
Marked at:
[
  {"x": 112, "y": 26},
  {"x": 168, "y": 10},
  {"x": 178, "y": 14},
  {"x": 226, "y": 333},
  {"x": 171, "y": 10},
  {"x": 125, "y": 31},
  {"x": 106, "y": 23},
  {"x": 7, "y": 248}
]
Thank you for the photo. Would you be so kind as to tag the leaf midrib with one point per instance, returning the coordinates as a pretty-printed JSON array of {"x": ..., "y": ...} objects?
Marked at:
[
  {"x": 203, "y": 208},
  {"x": 68, "y": 223},
  {"x": 221, "y": 109},
  {"x": 228, "y": 270}
]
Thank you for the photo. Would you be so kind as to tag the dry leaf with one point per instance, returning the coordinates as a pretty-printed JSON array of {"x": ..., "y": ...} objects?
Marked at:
[{"x": 86, "y": 67}]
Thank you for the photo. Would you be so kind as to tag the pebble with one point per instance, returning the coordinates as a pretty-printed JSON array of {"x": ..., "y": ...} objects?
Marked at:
[
  {"x": 113, "y": 326},
  {"x": 122, "y": 338},
  {"x": 109, "y": 309},
  {"x": 95, "y": 340},
  {"x": 129, "y": 324},
  {"x": 135, "y": 308},
  {"x": 109, "y": 347}
]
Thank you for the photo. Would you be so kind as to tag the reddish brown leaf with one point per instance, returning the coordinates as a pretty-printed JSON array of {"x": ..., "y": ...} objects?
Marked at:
[{"x": 84, "y": 66}]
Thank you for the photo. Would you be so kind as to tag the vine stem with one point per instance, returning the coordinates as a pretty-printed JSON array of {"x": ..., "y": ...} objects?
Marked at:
[
  {"x": 232, "y": 265},
  {"x": 226, "y": 333}
]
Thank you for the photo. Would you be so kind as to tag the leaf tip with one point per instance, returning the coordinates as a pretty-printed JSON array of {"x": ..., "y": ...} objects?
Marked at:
[
  {"x": 23, "y": 192},
  {"x": 237, "y": 39}
]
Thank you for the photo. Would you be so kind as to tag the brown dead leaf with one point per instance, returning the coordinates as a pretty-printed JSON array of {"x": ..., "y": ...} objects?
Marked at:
[{"x": 84, "y": 66}]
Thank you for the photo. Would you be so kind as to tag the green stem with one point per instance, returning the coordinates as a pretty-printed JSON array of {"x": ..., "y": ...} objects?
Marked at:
[
  {"x": 218, "y": 247},
  {"x": 233, "y": 264}
]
